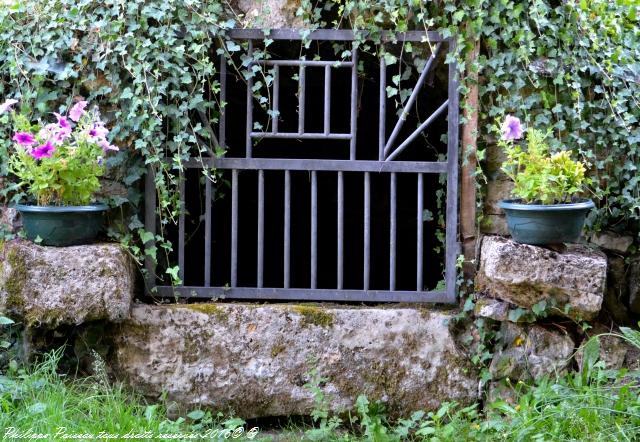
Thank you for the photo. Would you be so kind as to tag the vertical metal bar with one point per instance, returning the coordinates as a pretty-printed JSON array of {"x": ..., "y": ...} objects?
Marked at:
[
  {"x": 234, "y": 227},
  {"x": 301, "y": 98},
  {"x": 354, "y": 103},
  {"x": 314, "y": 229},
  {"x": 260, "y": 228},
  {"x": 276, "y": 99},
  {"x": 367, "y": 230},
  {"x": 223, "y": 99},
  {"x": 340, "y": 230},
  {"x": 150, "y": 225},
  {"x": 181, "y": 235},
  {"x": 420, "y": 235},
  {"x": 452, "y": 181},
  {"x": 207, "y": 232},
  {"x": 383, "y": 109},
  {"x": 249, "y": 128},
  {"x": 327, "y": 99},
  {"x": 392, "y": 233},
  {"x": 287, "y": 228}
]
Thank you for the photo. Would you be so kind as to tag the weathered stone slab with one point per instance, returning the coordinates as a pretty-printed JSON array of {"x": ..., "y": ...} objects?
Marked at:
[
  {"x": 525, "y": 275},
  {"x": 50, "y": 286},
  {"x": 530, "y": 352},
  {"x": 254, "y": 360}
]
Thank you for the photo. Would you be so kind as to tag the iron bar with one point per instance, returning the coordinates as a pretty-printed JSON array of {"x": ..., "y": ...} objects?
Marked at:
[
  {"x": 451, "y": 235},
  {"x": 320, "y": 165},
  {"x": 260, "y": 271},
  {"x": 150, "y": 225},
  {"x": 412, "y": 99},
  {"x": 382, "y": 116},
  {"x": 332, "y": 34},
  {"x": 418, "y": 131},
  {"x": 392, "y": 232},
  {"x": 309, "y": 63},
  {"x": 223, "y": 102},
  {"x": 297, "y": 294},
  {"x": 287, "y": 228},
  {"x": 314, "y": 229},
  {"x": 207, "y": 231},
  {"x": 302, "y": 87},
  {"x": 327, "y": 100},
  {"x": 367, "y": 231},
  {"x": 234, "y": 228},
  {"x": 249, "y": 128},
  {"x": 354, "y": 103},
  {"x": 301, "y": 136},
  {"x": 420, "y": 234},
  {"x": 181, "y": 226},
  {"x": 340, "y": 279},
  {"x": 276, "y": 100}
]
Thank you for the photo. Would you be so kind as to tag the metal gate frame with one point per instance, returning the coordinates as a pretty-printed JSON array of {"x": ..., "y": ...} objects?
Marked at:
[{"x": 383, "y": 165}]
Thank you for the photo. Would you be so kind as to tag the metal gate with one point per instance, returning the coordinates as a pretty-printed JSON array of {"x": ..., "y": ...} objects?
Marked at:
[{"x": 386, "y": 164}]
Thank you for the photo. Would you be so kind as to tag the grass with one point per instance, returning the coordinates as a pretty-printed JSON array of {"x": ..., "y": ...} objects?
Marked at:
[{"x": 595, "y": 404}]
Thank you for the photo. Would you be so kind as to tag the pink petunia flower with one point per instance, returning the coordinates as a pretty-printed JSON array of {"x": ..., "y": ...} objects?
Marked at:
[
  {"x": 6, "y": 106},
  {"x": 511, "y": 128},
  {"x": 44, "y": 151},
  {"x": 77, "y": 111},
  {"x": 24, "y": 138},
  {"x": 62, "y": 121},
  {"x": 98, "y": 132}
]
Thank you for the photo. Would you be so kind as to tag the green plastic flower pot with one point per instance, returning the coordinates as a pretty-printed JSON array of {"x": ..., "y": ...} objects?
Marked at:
[
  {"x": 540, "y": 224},
  {"x": 62, "y": 225}
]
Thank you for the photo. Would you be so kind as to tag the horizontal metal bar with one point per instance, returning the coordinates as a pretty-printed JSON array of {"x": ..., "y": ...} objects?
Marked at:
[
  {"x": 301, "y": 136},
  {"x": 296, "y": 294},
  {"x": 319, "y": 165},
  {"x": 330, "y": 34},
  {"x": 311, "y": 63}
]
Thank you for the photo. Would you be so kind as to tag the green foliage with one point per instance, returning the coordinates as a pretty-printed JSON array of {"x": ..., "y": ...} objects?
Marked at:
[
  {"x": 43, "y": 401},
  {"x": 538, "y": 175}
]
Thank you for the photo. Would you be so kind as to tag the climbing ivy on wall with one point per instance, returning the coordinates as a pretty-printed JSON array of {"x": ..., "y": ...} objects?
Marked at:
[{"x": 569, "y": 65}]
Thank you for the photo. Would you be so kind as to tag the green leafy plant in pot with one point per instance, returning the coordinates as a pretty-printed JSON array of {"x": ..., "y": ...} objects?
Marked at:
[
  {"x": 59, "y": 165},
  {"x": 547, "y": 208}
]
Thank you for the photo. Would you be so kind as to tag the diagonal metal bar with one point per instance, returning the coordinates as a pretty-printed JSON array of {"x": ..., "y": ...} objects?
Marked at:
[
  {"x": 412, "y": 99},
  {"x": 419, "y": 130}
]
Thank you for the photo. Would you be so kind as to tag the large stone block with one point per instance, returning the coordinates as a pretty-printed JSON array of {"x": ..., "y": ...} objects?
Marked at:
[
  {"x": 50, "y": 286},
  {"x": 254, "y": 360},
  {"x": 525, "y": 275}
]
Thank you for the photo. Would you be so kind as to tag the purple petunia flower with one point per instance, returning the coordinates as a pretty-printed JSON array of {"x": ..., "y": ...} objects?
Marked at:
[
  {"x": 6, "y": 106},
  {"x": 77, "y": 111},
  {"x": 98, "y": 132},
  {"x": 24, "y": 138},
  {"x": 44, "y": 151},
  {"x": 62, "y": 121},
  {"x": 511, "y": 128}
]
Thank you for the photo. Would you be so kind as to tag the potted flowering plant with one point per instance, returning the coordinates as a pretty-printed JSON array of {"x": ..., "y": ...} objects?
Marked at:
[
  {"x": 58, "y": 165},
  {"x": 547, "y": 208}
]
